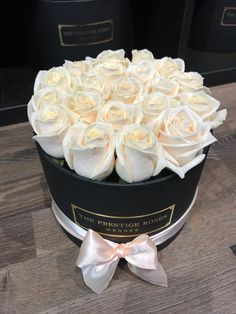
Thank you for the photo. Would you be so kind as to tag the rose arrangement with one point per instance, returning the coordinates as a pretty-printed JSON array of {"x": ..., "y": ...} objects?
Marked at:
[{"x": 137, "y": 117}]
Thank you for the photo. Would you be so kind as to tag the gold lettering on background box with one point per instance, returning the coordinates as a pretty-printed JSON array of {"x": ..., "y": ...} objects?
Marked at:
[
  {"x": 123, "y": 226},
  {"x": 86, "y": 34},
  {"x": 228, "y": 17}
]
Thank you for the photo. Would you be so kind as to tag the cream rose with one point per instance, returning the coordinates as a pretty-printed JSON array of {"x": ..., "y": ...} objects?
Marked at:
[
  {"x": 183, "y": 135},
  {"x": 169, "y": 67},
  {"x": 111, "y": 64},
  {"x": 174, "y": 102},
  {"x": 58, "y": 78},
  {"x": 166, "y": 86},
  {"x": 205, "y": 106},
  {"x": 190, "y": 81},
  {"x": 127, "y": 89},
  {"x": 96, "y": 82},
  {"x": 115, "y": 56},
  {"x": 139, "y": 156},
  {"x": 153, "y": 105},
  {"x": 89, "y": 149},
  {"x": 143, "y": 70},
  {"x": 43, "y": 97},
  {"x": 78, "y": 68},
  {"x": 119, "y": 114},
  {"x": 85, "y": 104},
  {"x": 141, "y": 55},
  {"x": 110, "y": 69},
  {"x": 51, "y": 123}
]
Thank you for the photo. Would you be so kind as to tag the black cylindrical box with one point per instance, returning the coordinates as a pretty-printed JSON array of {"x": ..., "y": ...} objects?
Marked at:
[
  {"x": 214, "y": 26},
  {"x": 120, "y": 212},
  {"x": 75, "y": 29}
]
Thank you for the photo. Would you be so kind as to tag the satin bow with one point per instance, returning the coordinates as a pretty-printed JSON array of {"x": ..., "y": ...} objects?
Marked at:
[{"x": 98, "y": 259}]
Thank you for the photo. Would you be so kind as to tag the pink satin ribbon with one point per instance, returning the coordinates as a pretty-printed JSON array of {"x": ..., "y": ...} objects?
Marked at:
[{"x": 98, "y": 260}]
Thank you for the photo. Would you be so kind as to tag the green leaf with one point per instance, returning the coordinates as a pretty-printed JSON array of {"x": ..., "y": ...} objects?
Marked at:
[
  {"x": 60, "y": 162},
  {"x": 121, "y": 181}
]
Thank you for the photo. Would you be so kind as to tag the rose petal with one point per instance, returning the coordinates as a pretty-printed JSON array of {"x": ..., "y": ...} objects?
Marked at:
[
  {"x": 30, "y": 109},
  {"x": 52, "y": 145},
  {"x": 219, "y": 118},
  {"x": 94, "y": 160},
  {"x": 181, "y": 171},
  {"x": 39, "y": 78}
]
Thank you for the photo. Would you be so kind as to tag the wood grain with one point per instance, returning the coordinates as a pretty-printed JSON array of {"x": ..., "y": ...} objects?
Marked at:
[{"x": 37, "y": 260}]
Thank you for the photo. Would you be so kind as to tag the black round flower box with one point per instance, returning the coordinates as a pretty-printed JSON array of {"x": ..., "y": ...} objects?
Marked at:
[{"x": 120, "y": 212}]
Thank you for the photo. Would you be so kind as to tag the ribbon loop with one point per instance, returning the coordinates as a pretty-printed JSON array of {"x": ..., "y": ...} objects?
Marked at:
[{"x": 98, "y": 260}]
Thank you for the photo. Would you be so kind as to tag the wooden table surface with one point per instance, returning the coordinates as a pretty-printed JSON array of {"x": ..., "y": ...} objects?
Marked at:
[{"x": 37, "y": 261}]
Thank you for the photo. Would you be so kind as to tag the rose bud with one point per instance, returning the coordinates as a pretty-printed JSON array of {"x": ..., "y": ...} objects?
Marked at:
[
  {"x": 89, "y": 149},
  {"x": 183, "y": 135},
  {"x": 139, "y": 155},
  {"x": 119, "y": 114},
  {"x": 51, "y": 123}
]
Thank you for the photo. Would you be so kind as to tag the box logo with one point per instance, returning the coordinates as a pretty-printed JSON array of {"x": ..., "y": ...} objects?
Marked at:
[
  {"x": 86, "y": 34},
  {"x": 228, "y": 17},
  {"x": 119, "y": 226}
]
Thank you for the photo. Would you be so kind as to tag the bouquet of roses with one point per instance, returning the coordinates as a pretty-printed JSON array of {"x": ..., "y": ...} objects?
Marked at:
[{"x": 137, "y": 117}]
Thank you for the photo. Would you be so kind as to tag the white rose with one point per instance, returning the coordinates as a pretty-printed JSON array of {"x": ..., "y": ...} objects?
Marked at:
[
  {"x": 205, "y": 106},
  {"x": 127, "y": 89},
  {"x": 89, "y": 149},
  {"x": 119, "y": 114},
  {"x": 189, "y": 81},
  {"x": 77, "y": 68},
  {"x": 110, "y": 69},
  {"x": 96, "y": 82},
  {"x": 85, "y": 104},
  {"x": 58, "y": 78},
  {"x": 111, "y": 64},
  {"x": 139, "y": 156},
  {"x": 166, "y": 86},
  {"x": 50, "y": 123},
  {"x": 115, "y": 56},
  {"x": 141, "y": 55},
  {"x": 174, "y": 102},
  {"x": 169, "y": 67},
  {"x": 43, "y": 97},
  {"x": 183, "y": 135},
  {"x": 143, "y": 70},
  {"x": 153, "y": 105}
]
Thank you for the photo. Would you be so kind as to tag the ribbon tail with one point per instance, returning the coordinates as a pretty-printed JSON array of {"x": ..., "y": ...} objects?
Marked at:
[
  {"x": 157, "y": 277},
  {"x": 97, "y": 277}
]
